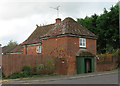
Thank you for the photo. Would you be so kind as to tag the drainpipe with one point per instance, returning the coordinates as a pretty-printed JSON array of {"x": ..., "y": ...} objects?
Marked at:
[{"x": 26, "y": 49}]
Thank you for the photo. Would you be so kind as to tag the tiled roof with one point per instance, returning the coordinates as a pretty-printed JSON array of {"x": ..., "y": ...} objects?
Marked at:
[
  {"x": 38, "y": 32},
  {"x": 7, "y": 49},
  {"x": 17, "y": 49},
  {"x": 69, "y": 26}
]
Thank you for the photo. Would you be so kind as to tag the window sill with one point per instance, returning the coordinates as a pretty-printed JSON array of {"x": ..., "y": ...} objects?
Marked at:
[{"x": 83, "y": 47}]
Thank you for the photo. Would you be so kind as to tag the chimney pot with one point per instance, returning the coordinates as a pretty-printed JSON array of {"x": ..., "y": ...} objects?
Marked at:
[{"x": 58, "y": 20}]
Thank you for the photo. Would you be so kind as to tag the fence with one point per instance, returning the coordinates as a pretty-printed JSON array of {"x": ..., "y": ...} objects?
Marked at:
[
  {"x": 106, "y": 62},
  {"x": 14, "y": 63}
]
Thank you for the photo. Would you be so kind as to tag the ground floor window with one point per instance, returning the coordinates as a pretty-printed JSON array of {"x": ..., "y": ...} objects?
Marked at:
[{"x": 38, "y": 49}]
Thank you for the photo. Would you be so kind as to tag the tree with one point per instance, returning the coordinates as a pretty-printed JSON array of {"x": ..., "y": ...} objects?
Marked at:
[
  {"x": 12, "y": 43},
  {"x": 106, "y": 27}
]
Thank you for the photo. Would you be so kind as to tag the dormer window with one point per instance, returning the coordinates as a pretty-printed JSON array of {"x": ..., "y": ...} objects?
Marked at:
[{"x": 82, "y": 42}]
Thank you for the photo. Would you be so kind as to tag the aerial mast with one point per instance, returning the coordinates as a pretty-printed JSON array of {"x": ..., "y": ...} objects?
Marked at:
[{"x": 57, "y": 9}]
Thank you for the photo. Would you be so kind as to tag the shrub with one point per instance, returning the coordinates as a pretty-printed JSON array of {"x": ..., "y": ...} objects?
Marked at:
[
  {"x": 117, "y": 54},
  {"x": 15, "y": 75},
  {"x": 3, "y": 76},
  {"x": 26, "y": 71},
  {"x": 50, "y": 66},
  {"x": 39, "y": 69}
]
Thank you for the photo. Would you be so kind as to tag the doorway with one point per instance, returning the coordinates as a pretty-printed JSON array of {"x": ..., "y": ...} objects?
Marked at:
[
  {"x": 88, "y": 68},
  {"x": 84, "y": 64}
]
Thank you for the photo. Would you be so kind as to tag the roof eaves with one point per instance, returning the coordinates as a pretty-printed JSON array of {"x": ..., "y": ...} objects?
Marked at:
[
  {"x": 14, "y": 53},
  {"x": 32, "y": 44},
  {"x": 73, "y": 35}
]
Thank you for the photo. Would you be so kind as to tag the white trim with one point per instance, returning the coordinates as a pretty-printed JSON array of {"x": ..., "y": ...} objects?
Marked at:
[
  {"x": 83, "y": 40},
  {"x": 15, "y": 53},
  {"x": 38, "y": 49}
]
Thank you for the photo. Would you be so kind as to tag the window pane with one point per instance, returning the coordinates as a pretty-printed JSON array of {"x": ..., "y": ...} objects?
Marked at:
[
  {"x": 39, "y": 49},
  {"x": 84, "y": 40},
  {"x": 80, "y": 40},
  {"x": 83, "y": 44},
  {"x": 80, "y": 44}
]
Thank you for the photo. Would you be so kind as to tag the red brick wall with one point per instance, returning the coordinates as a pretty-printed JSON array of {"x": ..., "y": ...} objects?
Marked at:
[
  {"x": 55, "y": 46},
  {"x": 61, "y": 46},
  {"x": 73, "y": 46},
  {"x": 106, "y": 62},
  {"x": 31, "y": 50},
  {"x": 66, "y": 47},
  {"x": 91, "y": 45},
  {"x": 71, "y": 65}
]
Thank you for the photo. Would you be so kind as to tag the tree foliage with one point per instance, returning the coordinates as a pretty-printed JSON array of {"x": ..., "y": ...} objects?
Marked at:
[
  {"x": 12, "y": 43},
  {"x": 106, "y": 27}
]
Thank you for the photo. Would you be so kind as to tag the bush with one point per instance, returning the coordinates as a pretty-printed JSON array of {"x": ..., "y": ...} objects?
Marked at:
[
  {"x": 50, "y": 66},
  {"x": 26, "y": 71},
  {"x": 15, "y": 75},
  {"x": 117, "y": 54},
  {"x": 39, "y": 69},
  {"x": 3, "y": 76}
]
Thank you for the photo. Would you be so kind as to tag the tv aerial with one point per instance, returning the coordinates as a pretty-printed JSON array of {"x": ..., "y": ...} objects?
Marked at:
[{"x": 57, "y": 9}]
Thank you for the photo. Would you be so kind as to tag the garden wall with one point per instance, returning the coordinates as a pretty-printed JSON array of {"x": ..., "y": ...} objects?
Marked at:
[
  {"x": 106, "y": 62},
  {"x": 14, "y": 63}
]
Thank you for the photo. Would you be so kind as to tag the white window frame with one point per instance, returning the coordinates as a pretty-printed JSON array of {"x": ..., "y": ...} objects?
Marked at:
[
  {"x": 38, "y": 49},
  {"x": 82, "y": 42}
]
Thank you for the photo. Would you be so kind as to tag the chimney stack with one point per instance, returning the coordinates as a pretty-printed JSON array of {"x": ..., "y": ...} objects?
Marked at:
[{"x": 58, "y": 20}]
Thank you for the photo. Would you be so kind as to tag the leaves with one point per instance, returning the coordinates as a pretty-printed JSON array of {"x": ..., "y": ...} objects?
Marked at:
[
  {"x": 106, "y": 27},
  {"x": 12, "y": 43}
]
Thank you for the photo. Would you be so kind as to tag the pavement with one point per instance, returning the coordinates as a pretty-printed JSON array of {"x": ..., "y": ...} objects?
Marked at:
[{"x": 55, "y": 78}]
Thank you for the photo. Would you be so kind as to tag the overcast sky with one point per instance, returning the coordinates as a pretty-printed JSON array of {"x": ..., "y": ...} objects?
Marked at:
[{"x": 18, "y": 18}]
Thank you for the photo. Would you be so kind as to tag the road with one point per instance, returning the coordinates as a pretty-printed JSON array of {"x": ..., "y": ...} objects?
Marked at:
[
  {"x": 92, "y": 78},
  {"x": 106, "y": 79}
]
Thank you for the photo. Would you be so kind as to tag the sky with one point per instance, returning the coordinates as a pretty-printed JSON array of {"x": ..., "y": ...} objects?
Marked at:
[{"x": 18, "y": 18}]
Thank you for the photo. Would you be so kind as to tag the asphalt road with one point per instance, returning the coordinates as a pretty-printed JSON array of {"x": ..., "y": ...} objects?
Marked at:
[
  {"x": 93, "y": 78},
  {"x": 106, "y": 79}
]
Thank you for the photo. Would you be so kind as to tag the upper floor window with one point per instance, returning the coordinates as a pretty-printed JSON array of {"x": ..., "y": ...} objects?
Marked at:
[
  {"x": 38, "y": 49},
  {"x": 82, "y": 42}
]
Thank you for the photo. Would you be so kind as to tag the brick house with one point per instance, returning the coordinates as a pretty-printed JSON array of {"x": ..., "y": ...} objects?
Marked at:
[{"x": 74, "y": 45}]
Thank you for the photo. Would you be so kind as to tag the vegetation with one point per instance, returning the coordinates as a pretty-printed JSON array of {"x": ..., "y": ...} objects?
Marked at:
[
  {"x": 106, "y": 27},
  {"x": 117, "y": 54},
  {"x": 86, "y": 54},
  {"x": 50, "y": 66},
  {"x": 12, "y": 43},
  {"x": 40, "y": 70}
]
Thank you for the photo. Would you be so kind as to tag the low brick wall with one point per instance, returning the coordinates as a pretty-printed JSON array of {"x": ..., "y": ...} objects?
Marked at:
[
  {"x": 14, "y": 63},
  {"x": 106, "y": 62}
]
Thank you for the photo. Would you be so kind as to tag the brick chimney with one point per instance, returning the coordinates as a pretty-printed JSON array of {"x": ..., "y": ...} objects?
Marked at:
[{"x": 58, "y": 20}]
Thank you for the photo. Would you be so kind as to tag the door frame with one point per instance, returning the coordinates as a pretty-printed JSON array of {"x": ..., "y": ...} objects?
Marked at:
[{"x": 80, "y": 64}]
